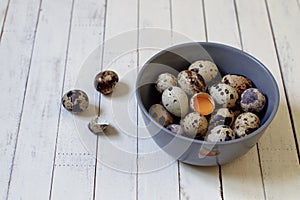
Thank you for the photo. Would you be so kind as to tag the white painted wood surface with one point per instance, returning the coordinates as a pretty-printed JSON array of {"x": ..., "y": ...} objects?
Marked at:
[{"x": 51, "y": 46}]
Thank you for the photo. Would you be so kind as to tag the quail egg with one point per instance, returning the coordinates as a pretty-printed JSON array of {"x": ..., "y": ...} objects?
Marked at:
[
  {"x": 75, "y": 101},
  {"x": 106, "y": 81},
  {"x": 238, "y": 82},
  {"x": 175, "y": 101},
  {"x": 222, "y": 116},
  {"x": 176, "y": 128},
  {"x": 224, "y": 95},
  {"x": 160, "y": 115},
  {"x": 220, "y": 133},
  {"x": 164, "y": 81},
  {"x": 252, "y": 100},
  {"x": 202, "y": 103},
  {"x": 245, "y": 124},
  {"x": 207, "y": 69},
  {"x": 191, "y": 82},
  {"x": 194, "y": 125}
]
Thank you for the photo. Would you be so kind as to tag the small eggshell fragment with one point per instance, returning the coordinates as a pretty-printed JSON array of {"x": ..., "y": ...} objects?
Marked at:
[
  {"x": 105, "y": 81},
  {"x": 98, "y": 125},
  {"x": 175, "y": 101},
  {"x": 222, "y": 116},
  {"x": 202, "y": 103},
  {"x": 194, "y": 125},
  {"x": 75, "y": 101},
  {"x": 252, "y": 100},
  {"x": 238, "y": 82},
  {"x": 207, "y": 69},
  {"x": 220, "y": 133},
  {"x": 164, "y": 81},
  {"x": 224, "y": 95},
  {"x": 161, "y": 115},
  {"x": 245, "y": 124},
  {"x": 176, "y": 128},
  {"x": 191, "y": 82}
]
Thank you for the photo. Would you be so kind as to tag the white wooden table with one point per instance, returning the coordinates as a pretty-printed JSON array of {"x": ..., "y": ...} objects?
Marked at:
[{"x": 45, "y": 44}]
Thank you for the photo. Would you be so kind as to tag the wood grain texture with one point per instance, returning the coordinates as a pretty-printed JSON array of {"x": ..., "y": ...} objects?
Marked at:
[
  {"x": 37, "y": 136},
  {"x": 288, "y": 45},
  {"x": 117, "y": 153},
  {"x": 279, "y": 162},
  {"x": 195, "y": 182},
  {"x": 3, "y": 13},
  {"x": 15, "y": 57},
  {"x": 75, "y": 159},
  {"x": 156, "y": 168},
  {"x": 222, "y": 26}
]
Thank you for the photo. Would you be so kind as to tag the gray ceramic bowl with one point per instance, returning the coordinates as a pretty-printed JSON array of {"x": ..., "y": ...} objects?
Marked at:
[{"x": 229, "y": 61}]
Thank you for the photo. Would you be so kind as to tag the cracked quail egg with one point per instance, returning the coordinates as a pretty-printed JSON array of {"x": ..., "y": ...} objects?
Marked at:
[
  {"x": 191, "y": 82},
  {"x": 194, "y": 125},
  {"x": 161, "y": 115},
  {"x": 224, "y": 95},
  {"x": 164, "y": 81},
  {"x": 252, "y": 100},
  {"x": 207, "y": 69},
  {"x": 238, "y": 82},
  {"x": 175, "y": 100},
  {"x": 245, "y": 124},
  {"x": 75, "y": 101},
  {"x": 222, "y": 116},
  {"x": 220, "y": 133}
]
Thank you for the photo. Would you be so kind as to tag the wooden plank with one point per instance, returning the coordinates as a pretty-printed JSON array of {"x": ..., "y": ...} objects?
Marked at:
[
  {"x": 287, "y": 41},
  {"x": 279, "y": 162},
  {"x": 116, "y": 166},
  {"x": 75, "y": 158},
  {"x": 153, "y": 163},
  {"x": 246, "y": 168},
  {"x": 15, "y": 50},
  {"x": 195, "y": 182},
  {"x": 34, "y": 155},
  {"x": 3, "y": 13}
]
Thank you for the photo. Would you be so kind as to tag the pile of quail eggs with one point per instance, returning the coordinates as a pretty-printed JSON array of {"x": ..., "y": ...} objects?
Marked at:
[{"x": 237, "y": 103}]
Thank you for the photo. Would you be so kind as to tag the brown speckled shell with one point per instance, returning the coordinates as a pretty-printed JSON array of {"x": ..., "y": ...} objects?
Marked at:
[
  {"x": 238, "y": 82},
  {"x": 245, "y": 124},
  {"x": 161, "y": 115},
  {"x": 191, "y": 82},
  {"x": 106, "y": 81},
  {"x": 75, "y": 101}
]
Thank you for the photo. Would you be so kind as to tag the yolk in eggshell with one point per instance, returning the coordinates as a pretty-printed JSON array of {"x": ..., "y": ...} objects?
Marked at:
[{"x": 203, "y": 104}]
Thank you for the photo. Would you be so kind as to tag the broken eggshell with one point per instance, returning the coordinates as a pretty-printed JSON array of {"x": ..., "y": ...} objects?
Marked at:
[{"x": 98, "y": 125}]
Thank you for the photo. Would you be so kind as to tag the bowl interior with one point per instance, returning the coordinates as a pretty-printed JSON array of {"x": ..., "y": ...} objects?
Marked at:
[{"x": 229, "y": 61}]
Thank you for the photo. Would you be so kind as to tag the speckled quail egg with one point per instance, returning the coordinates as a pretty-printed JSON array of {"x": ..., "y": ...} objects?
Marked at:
[
  {"x": 175, "y": 101},
  {"x": 164, "y": 81},
  {"x": 75, "y": 101},
  {"x": 194, "y": 125},
  {"x": 106, "y": 81},
  {"x": 252, "y": 100},
  {"x": 207, "y": 69},
  {"x": 220, "y": 133},
  {"x": 176, "y": 128},
  {"x": 191, "y": 82},
  {"x": 222, "y": 116},
  {"x": 245, "y": 124},
  {"x": 161, "y": 115},
  {"x": 224, "y": 95},
  {"x": 238, "y": 82}
]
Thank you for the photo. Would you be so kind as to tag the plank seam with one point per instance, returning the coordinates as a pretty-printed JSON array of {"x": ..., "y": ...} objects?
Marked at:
[
  {"x": 137, "y": 110},
  {"x": 23, "y": 101},
  {"x": 238, "y": 24},
  {"x": 204, "y": 20},
  {"x": 261, "y": 171},
  {"x": 298, "y": 4},
  {"x": 221, "y": 182},
  {"x": 99, "y": 97},
  {"x": 283, "y": 82},
  {"x": 63, "y": 84},
  {"x": 4, "y": 20}
]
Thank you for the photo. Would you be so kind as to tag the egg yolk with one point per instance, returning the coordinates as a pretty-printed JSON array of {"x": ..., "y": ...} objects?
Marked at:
[{"x": 203, "y": 105}]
